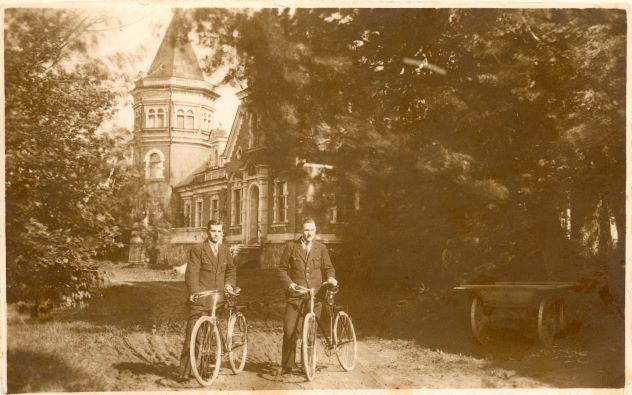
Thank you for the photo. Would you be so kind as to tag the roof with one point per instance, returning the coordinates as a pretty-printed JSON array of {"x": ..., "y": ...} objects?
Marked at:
[
  {"x": 176, "y": 57},
  {"x": 218, "y": 133},
  {"x": 190, "y": 179}
]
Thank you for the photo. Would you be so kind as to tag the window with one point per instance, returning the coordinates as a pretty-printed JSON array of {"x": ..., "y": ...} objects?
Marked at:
[
  {"x": 236, "y": 207},
  {"x": 198, "y": 213},
  {"x": 188, "y": 124},
  {"x": 215, "y": 158},
  {"x": 187, "y": 214},
  {"x": 206, "y": 122},
  {"x": 342, "y": 208},
  {"x": 137, "y": 118},
  {"x": 180, "y": 119},
  {"x": 151, "y": 118},
  {"x": 215, "y": 208},
  {"x": 160, "y": 118},
  {"x": 280, "y": 201},
  {"x": 253, "y": 140},
  {"x": 154, "y": 165}
]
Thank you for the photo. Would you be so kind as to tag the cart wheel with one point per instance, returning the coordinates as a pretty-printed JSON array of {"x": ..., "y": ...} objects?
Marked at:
[
  {"x": 548, "y": 321},
  {"x": 562, "y": 323},
  {"x": 480, "y": 320}
]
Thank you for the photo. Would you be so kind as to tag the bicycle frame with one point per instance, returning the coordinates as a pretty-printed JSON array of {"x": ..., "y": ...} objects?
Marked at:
[
  {"x": 230, "y": 307},
  {"x": 311, "y": 292}
]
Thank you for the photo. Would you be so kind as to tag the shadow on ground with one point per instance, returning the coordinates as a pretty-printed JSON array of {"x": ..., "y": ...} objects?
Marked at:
[
  {"x": 29, "y": 371},
  {"x": 593, "y": 357},
  {"x": 139, "y": 368},
  {"x": 146, "y": 304}
]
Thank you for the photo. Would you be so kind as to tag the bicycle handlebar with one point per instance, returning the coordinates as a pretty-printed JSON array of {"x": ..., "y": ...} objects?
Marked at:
[
  {"x": 236, "y": 291},
  {"x": 302, "y": 290}
]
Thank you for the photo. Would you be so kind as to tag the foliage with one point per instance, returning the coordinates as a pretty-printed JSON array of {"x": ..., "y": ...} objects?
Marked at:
[
  {"x": 526, "y": 120},
  {"x": 67, "y": 183}
]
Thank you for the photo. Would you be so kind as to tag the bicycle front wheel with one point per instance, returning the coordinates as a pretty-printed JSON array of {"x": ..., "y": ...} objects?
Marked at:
[
  {"x": 309, "y": 345},
  {"x": 345, "y": 341},
  {"x": 237, "y": 342},
  {"x": 205, "y": 351}
]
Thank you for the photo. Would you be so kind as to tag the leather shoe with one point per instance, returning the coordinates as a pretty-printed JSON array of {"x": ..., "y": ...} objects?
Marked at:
[
  {"x": 283, "y": 371},
  {"x": 184, "y": 379}
]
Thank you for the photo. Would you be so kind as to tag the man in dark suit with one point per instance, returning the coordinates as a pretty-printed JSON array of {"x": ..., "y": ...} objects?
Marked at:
[
  {"x": 209, "y": 267},
  {"x": 305, "y": 262}
]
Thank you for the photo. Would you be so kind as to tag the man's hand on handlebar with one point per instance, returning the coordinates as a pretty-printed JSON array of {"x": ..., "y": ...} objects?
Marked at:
[
  {"x": 232, "y": 291},
  {"x": 297, "y": 289},
  {"x": 332, "y": 281}
]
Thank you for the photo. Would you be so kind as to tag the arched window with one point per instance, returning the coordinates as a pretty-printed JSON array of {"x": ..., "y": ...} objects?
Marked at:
[
  {"x": 154, "y": 164},
  {"x": 160, "y": 118},
  {"x": 155, "y": 168},
  {"x": 188, "y": 124},
  {"x": 151, "y": 118},
  {"x": 180, "y": 119}
]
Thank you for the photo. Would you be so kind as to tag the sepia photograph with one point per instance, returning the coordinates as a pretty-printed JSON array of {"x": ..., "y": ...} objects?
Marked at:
[{"x": 314, "y": 197}]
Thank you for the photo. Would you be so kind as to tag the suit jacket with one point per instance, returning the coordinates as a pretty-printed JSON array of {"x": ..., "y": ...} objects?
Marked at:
[
  {"x": 305, "y": 270},
  {"x": 206, "y": 272}
]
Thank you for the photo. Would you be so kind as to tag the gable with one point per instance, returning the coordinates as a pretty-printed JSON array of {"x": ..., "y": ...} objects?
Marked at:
[{"x": 239, "y": 138}]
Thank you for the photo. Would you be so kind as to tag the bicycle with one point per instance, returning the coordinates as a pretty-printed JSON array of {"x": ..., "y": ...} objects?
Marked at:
[
  {"x": 207, "y": 345},
  {"x": 343, "y": 341}
]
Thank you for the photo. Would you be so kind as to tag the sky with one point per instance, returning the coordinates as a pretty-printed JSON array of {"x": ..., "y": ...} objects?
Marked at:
[{"x": 135, "y": 33}]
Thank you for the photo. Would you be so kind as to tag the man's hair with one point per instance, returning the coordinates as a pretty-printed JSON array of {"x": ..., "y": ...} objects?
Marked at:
[
  {"x": 307, "y": 220},
  {"x": 213, "y": 222}
]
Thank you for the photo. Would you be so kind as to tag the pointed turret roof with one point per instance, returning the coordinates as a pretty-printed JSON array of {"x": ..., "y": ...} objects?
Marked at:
[{"x": 176, "y": 57}]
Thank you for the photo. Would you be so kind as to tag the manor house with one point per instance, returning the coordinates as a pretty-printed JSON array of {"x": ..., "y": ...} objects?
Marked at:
[{"x": 194, "y": 173}]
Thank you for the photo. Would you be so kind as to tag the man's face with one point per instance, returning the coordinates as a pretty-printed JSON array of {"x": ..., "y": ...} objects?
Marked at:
[
  {"x": 215, "y": 233},
  {"x": 309, "y": 231}
]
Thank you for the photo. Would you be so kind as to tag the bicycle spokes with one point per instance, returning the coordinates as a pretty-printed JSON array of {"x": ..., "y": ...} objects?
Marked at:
[
  {"x": 309, "y": 346},
  {"x": 205, "y": 351},
  {"x": 207, "y": 357},
  {"x": 345, "y": 340},
  {"x": 237, "y": 344}
]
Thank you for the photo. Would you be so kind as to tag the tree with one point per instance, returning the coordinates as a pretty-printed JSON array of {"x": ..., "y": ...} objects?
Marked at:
[
  {"x": 521, "y": 124},
  {"x": 66, "y": 180}
]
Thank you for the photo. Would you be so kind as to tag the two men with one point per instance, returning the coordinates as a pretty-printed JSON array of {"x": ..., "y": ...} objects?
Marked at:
[
  {"x": 304, "y": 262},
  {"x": 209, "y": 267}
]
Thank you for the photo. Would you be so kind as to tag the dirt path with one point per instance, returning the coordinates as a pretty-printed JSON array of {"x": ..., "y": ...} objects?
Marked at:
[{"x": 130, "y": 339}]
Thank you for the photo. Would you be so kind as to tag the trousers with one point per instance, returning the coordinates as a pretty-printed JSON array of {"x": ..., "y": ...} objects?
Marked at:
[
  {"x": 185, "y": 365},
  {"x": 294, "y": 313},
  {"x": 194, "y": 314}
]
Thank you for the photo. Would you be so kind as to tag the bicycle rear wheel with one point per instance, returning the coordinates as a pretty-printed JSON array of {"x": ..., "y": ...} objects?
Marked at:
[
  {"x": 237, "y": 342},
  {"x": 309, "y": 345},
  {"x": 205, "y": 351},
  {"x": 345, "y": 341}
]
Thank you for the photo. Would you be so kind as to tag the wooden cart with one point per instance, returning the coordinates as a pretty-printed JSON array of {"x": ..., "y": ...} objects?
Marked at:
[{"x": 545, "y": 301}]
